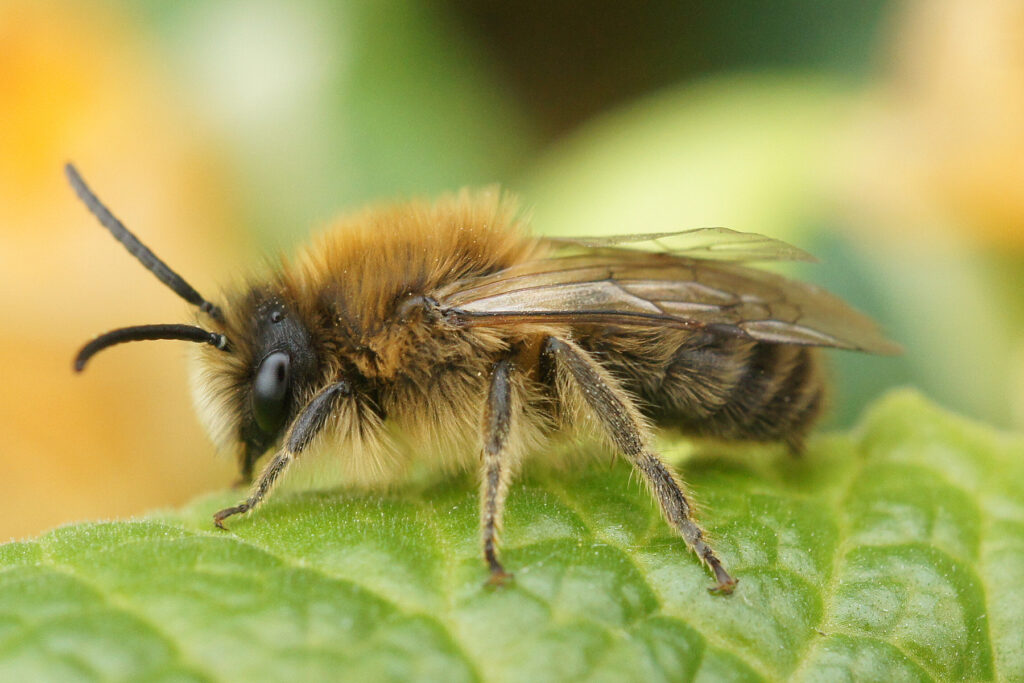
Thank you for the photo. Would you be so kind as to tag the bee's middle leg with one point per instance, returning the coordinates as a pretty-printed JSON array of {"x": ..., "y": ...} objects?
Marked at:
[{"x": 498, "y": 415}]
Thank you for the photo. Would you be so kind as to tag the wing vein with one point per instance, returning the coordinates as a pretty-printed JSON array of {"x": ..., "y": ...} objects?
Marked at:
[{"x": 604, "y": 284}]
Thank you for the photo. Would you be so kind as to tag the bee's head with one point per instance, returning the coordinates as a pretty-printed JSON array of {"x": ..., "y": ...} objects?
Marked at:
[
  {"x": 255, "y": 361},
  {"x": 248, "y": 397}
]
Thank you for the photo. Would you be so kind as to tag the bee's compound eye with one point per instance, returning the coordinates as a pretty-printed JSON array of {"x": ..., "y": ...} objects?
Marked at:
[{"x": 270, "y": 392}]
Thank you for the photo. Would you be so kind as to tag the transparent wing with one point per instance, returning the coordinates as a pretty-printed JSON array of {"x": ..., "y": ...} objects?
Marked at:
[
  {"x": 635, "y": 288},
  {"x": 717, "y": 244}
]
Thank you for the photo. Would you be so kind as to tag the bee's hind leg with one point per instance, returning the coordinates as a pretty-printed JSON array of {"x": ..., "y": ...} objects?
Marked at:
[
  {"x": 625, "y": 427},
  {"x": 304, "y": 427},
  {"x": 496, "y": 473}
]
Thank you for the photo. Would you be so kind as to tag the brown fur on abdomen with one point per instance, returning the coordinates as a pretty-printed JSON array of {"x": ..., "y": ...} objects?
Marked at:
[{"x": 716, "y": 385}]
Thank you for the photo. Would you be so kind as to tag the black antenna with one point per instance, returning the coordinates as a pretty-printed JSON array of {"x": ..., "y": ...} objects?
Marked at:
[
  {"x": 137, "y": 249},
  {"x": 147, "y": 333}
]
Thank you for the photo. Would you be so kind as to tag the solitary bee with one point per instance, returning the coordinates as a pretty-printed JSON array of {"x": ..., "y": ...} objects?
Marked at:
[{"x": 446, "y": 326}]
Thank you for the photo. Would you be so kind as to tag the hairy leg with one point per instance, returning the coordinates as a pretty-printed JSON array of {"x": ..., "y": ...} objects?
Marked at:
[
  {"x": 306, "y": 425},
  {"x": 626, "y": 429},
  {"x": 496, "y": 474}
]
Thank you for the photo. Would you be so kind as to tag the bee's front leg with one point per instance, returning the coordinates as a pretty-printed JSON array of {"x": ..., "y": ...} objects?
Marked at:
[
  {"x": 498, "y": 416},
  {"x": 266, "y": 481},
  {"x": 306, "y": 425}
]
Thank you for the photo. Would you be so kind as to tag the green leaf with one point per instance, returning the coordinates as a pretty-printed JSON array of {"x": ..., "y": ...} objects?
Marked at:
[{"x": 895, "y": 552}]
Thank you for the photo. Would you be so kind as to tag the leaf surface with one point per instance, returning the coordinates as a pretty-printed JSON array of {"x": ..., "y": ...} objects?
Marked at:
[{"x": 894, "y": 552}]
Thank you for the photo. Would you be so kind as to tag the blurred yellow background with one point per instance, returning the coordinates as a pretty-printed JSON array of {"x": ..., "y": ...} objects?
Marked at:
[{"x": 884, "y": 136}]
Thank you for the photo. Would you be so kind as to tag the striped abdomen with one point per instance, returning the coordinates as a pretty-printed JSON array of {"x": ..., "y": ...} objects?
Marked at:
[{"x": 719, "y": 386}]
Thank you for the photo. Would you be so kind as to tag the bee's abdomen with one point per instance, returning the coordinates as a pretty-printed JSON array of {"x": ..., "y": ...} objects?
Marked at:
[
  {"x": 729, "y": 388},
  {"x": 757, "y": 392}
]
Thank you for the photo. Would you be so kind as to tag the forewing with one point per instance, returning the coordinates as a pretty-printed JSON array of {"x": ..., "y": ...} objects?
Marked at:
[
  {"x": 716, "y": 244},
  {"x": 644, "y": 289}
]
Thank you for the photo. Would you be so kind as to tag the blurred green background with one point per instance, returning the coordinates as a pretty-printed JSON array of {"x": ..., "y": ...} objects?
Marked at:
[{"x": 882, "y": 136}]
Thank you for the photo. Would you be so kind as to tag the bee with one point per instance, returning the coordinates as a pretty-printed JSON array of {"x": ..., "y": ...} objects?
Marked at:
[{"x": 446, "y": 332}]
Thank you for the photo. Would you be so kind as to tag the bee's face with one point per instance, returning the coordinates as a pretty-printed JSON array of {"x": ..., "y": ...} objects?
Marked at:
[{"x": 249, "y": 395}]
